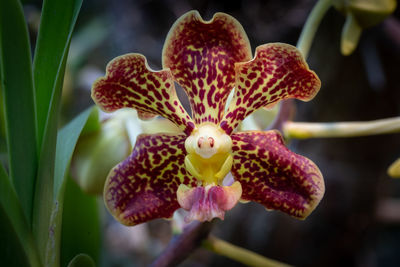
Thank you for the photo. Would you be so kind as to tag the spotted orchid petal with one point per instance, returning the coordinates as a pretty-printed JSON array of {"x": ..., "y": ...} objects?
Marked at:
[
  {"x": 143, "y": 187},
  {"x": 201, "y": 55},
  {"x": 278, "y": 71},
  {"x": 273, "y": 176},
  {"x": 129, "y": 82}
]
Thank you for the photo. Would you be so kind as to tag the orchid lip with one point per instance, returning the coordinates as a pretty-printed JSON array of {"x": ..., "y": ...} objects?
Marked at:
[{"x": 208, "y": 202}]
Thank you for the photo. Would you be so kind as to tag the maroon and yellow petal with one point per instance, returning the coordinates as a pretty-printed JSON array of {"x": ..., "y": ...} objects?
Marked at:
[
  {"x": 278, "y": 71},
  {"x": 130, "y": 83},
  {"x": 201, "y": 55},
  {"x": 274, "y": 176},
  {"x": 143, "y": 187}
]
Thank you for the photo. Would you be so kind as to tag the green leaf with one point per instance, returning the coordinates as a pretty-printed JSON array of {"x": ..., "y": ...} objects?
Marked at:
[
  {"x": 82, "y": 260},
  {"x": 56, "y": 26},
  {"x": 17, "y": 247},
  {"x": 18, "y": 93},
  {"x": 57, "y": 22},
  {"x": 2, "y": 121},
  {"x": 66, "y": 141},
  {"x": 11, "y": 250},
  {"x": 44, "y": 206},
  {"x": 81, "y": 226}
]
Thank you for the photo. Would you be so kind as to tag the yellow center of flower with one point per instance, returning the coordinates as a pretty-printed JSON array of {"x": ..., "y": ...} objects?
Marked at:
[{"x": 208, "y": 156}]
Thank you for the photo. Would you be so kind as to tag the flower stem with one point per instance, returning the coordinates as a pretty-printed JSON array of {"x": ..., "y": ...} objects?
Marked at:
[
  {"x": 181, "y": 246},
  {"x": 311, "y": 26},
  {"x": 303, "y": 130},
  {"x": 239, "y": 254}
]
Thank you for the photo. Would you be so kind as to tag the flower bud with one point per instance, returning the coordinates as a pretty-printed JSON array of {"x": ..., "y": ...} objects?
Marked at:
[
  {"x": 366, "y": 12},
  {"x": 98, "y": 152},
  {"x": 361, "y": 14}
]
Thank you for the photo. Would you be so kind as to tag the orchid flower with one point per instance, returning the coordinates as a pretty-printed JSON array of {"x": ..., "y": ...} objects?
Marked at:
[{"x": 167, "y": 171}]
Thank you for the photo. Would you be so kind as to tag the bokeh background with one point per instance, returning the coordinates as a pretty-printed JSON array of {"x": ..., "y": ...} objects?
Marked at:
[{"x": 358, "y": 221}]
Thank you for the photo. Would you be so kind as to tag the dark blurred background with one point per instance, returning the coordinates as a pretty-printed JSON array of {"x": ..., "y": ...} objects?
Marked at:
[{"x": 358, "y": 221}]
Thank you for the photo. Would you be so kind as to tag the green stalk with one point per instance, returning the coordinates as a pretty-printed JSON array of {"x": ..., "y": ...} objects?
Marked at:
[
  {"x": 311, "y": 26},
  {"x": 303, "y": 130},
  {"x": 239, "y": 254}
]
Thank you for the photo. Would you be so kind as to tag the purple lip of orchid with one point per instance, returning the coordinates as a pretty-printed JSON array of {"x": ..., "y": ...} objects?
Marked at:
[{"x": 168, "y": 171}]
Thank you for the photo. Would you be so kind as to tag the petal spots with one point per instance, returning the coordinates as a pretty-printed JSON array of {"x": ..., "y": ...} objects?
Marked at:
[
  {"x": 273, "y": 176},
  {"x": 143, "y": 187},
  {"x": 277, "y": 72},
  {"x": 129, "y": 82},
  {"x": 201, "y": 55}
]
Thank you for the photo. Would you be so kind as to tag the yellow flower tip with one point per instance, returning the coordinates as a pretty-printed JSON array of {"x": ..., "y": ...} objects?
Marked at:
[
  {"x": 350, "y": 35},
  {"x": 207, "y": 202},
  {"x": 394, "y": 169}
]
